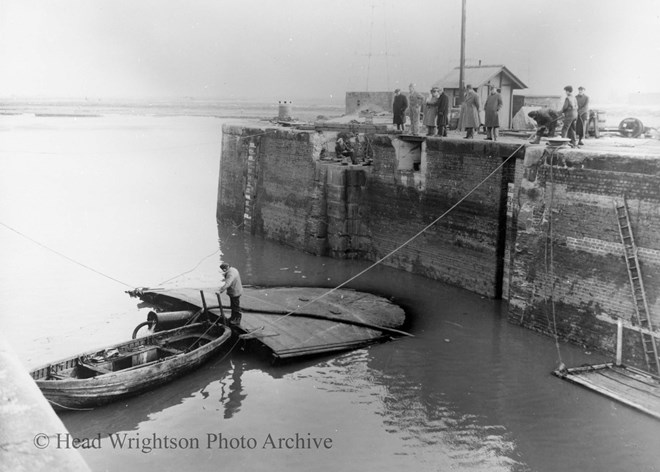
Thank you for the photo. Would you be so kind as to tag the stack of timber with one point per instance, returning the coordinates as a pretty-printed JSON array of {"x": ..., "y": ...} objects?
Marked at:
[
  {"x": 295, "y": 321},
  {"x": 628, "y": 385}
]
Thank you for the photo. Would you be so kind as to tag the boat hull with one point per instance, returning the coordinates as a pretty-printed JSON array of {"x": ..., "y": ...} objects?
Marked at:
[{"x": 157, "y": 362}]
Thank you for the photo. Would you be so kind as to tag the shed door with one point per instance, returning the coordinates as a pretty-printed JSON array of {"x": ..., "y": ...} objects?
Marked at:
[{"x": 505, "y": 112}]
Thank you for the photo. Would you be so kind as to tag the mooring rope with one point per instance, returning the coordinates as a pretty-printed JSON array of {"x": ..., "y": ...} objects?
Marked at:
[
  {"x": 401, "y": 246},
  {"x": 64, "y": 255},
  {"x": 188, "y": 271},
  {"x": 549, "y": 242}
]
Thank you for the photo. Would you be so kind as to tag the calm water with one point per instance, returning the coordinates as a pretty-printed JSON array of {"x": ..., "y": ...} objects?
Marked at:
[{"x": 134, "y": 199}]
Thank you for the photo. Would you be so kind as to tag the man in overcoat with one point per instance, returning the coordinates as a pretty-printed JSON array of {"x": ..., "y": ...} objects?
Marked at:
[
  {"x": 399, "y": 107},
  {"x": 415, "y": 101},
  {"x": 443, "y": 113},
  {"x": 431, "y": 112},
  {"x": 469, "y": 116},
  {"x": 492, "y": 109}
]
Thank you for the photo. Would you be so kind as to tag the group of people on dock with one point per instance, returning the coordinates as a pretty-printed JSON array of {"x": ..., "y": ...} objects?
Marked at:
[
  {"x": 434, "y": 112},
  {"x": 469, "y": 118}
]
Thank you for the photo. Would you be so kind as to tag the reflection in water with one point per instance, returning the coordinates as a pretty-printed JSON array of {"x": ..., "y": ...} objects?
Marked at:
[
  {"x": 469, "y": 392},
  {"x": 233, "y": 400},
  {"x": 127, "y": 415}
]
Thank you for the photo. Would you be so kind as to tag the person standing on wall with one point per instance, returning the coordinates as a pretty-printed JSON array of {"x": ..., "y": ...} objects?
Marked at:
[
  {"x": 399, "y": 107},
  {"x": 583, "y": 115},
  {"x": 443, "y": 113},
  {"x": 469, "y": 115},
  {"x": 570, "y": 112},
  {"x": 431, "y": 112},
  {"x": 492, "y": 108},
  {"x": 232, "y": 285},
  {"x": 415, "y": 101}
]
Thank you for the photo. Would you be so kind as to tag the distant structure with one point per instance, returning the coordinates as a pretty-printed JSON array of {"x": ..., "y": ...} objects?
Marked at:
[
  {"x": 284, "y": 110},
  {"x": 480, "y": 77},
  {"x": 376, "y": 102}
]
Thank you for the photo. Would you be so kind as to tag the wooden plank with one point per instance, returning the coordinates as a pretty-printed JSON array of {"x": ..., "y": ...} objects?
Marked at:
[
  {"x": 629, "y": 386},
  {"x": 289, "y": 336},
  {"x": 343, "y": 303}
]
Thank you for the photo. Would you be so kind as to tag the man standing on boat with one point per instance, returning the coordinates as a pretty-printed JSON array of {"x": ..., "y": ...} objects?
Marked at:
[{"x": 234, "y": 288}]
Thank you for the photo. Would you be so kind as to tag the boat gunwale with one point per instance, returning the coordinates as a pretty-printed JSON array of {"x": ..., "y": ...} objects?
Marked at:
[{"x": 140, "y": 342}]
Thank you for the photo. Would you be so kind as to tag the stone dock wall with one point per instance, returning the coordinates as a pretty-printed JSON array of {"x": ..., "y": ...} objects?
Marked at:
[{"x": 532, "y": 233}]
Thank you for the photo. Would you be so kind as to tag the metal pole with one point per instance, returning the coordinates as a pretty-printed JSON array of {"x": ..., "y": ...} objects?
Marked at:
[{"x": 461, "y": 80}]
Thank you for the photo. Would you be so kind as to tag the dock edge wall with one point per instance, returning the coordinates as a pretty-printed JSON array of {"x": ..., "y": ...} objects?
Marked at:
[{"x": 285, "y": 185}]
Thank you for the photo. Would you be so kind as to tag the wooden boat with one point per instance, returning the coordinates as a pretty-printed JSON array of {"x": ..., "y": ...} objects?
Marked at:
[{"x": 120, "y": 370}]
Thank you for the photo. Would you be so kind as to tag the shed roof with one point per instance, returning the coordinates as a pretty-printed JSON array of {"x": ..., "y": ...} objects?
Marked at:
[{"x": 477, "y": 76}]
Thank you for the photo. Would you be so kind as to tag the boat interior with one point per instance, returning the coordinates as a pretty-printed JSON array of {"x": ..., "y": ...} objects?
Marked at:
[{"x": 124, "y": 357}]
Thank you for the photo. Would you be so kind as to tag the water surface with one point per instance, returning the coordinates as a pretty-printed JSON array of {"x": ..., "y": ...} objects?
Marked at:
[{"x": 133, "y": 197}]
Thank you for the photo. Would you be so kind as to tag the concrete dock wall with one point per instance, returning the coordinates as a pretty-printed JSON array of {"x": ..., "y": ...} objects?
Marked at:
[{"x": 29, "y": 427}]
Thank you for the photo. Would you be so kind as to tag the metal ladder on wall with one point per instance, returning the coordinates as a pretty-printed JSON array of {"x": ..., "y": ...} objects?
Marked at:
[{"x": 637, "y": 287}]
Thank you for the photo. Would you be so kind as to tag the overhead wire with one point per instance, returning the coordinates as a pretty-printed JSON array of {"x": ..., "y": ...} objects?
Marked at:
[
  {"x": 190, "y": 270},
  {"x": 63, "y": 255}
]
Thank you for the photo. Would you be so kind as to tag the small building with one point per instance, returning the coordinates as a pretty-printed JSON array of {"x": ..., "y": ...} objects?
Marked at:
[
  {"x": 481, "y": 77},
  {"x": 376, "y": 102}
]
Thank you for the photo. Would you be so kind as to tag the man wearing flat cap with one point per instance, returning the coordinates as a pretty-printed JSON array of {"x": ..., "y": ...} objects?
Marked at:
[
  {"x": 232, "y": 285},
  {"x": 583, "y": 115}
]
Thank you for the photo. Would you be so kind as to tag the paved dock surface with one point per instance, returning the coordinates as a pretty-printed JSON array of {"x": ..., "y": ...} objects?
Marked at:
[{"x": 28, "y": 425}]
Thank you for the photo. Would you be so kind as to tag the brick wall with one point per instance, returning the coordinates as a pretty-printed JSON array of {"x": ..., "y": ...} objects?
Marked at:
[
  {"x": 568, "y": 271},
  {"x": 466, "y": 247},
  {"x": 275, "y": 184},
  {"x": 544, "y": 237}
]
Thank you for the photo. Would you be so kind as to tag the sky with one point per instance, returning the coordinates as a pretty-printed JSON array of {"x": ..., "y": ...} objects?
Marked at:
[{"x": 313, "y": 49}]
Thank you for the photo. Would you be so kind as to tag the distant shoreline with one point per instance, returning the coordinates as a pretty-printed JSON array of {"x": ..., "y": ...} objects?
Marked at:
[
  {"x": 217, "y": 109},
  {"x": 304, "y": 110}
]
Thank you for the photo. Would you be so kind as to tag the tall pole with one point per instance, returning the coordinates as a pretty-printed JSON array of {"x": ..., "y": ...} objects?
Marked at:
[{"x": 461, "y": 80}]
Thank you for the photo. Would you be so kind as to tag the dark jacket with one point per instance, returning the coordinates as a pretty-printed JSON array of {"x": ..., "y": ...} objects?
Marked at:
[
  {"x": 399, "y": 109},
  {"x": 443, "y": 109}
]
